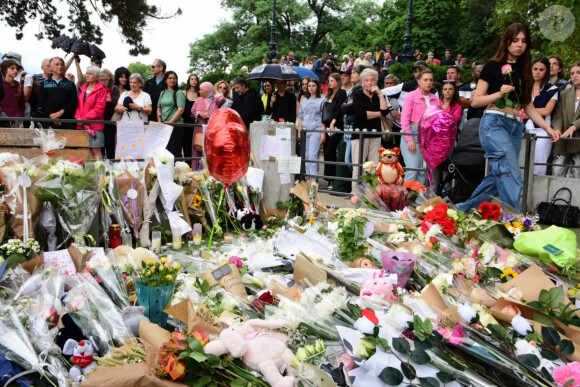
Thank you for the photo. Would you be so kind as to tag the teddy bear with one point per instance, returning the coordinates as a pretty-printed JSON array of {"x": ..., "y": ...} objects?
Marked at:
[
  {"x": 82, "y": 357},
  {"x": 262, "y": 351},
  {"x": 377, "y": 284},
  {"x": 390, "y": 170},
  {"x": 133, "y": 315}
]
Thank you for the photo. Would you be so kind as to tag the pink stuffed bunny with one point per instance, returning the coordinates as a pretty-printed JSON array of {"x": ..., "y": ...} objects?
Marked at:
[
  {"x": 378, "y": 284},
  {"x": 262, "y": 351}
]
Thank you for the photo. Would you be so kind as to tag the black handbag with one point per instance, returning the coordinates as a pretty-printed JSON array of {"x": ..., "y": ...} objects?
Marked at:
[
  {"x": 328, "y": 112},
  {"x": 563, "y": 215}
]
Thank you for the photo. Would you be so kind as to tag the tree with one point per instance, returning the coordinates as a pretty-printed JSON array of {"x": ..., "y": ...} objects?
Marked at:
[
  {"x": 140, "y": 68},
  {"x": 131, "y": 16}
]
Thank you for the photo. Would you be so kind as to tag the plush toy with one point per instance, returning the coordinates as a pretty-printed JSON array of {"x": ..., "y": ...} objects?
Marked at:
[
  {"x": 133, "y": 315},
  {"x": 249, "y": 219},
  {"x": 82, "y": 357},
  {"x": 125, "y": 255},
  {"x": 378, "y": 284},
  {"x": 262, "y": 351},
  {"x": 390, "y": 170},
  {"x": 69, "y": 330}
]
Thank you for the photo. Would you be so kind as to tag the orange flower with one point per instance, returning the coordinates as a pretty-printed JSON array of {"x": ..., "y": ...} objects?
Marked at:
[
  {"x": 201, "y": 337},
  {"x": 175, "y": 368}
]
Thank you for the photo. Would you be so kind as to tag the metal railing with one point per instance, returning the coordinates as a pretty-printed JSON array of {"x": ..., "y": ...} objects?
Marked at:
[{"x": 361, "y": 135}]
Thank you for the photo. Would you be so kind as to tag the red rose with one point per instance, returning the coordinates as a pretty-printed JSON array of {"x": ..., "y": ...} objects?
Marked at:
[
  {"x": 433, "y": 240},
  {"x": 266, "y": 297}
]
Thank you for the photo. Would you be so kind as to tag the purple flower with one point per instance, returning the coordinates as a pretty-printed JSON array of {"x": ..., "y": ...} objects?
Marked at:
[
  {"x": 508, "y": 217},
  {"x": 528, "y": 223}
]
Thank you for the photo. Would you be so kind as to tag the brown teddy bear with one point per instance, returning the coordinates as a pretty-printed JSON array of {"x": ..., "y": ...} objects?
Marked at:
[{"x": 389, "y": 170}]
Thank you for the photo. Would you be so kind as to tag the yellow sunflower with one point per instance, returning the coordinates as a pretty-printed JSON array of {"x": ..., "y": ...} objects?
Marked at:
[
  {"x": 509, "y": 273},
  {"x": 197, "y": 200}
]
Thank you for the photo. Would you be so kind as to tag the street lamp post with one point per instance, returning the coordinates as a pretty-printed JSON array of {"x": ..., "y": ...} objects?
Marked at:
[
  {"x": 273, "y": 54},
  {"x": 408, "y": 49}
]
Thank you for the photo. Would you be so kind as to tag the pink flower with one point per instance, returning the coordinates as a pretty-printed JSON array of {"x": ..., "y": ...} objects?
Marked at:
[
  {"x": 506, "y": 69},
  {"x": 354, "y": 200},
  {"x": 565, "y": 373},
  {"x": 455, "y": 336},
  {"x": 237, "y": 260},
  {"x": 456, "y": 255}
]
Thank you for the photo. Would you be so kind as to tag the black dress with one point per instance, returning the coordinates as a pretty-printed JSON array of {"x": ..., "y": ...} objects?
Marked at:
[
  {"x": 188, "y": 132},
  {"x": 332, "y": 142}
]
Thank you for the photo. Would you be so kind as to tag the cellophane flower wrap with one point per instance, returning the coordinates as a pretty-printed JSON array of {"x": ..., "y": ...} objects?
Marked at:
[
  {"x": 74, "y": 189},
  {"x": 18, "y": 175},
  {"x": 112, "y": 208},
  {"x": 110, "y": 276},
  {"x": 131, "y": 193}
]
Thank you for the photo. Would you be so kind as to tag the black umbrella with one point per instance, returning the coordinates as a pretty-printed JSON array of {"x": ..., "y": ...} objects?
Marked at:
[
  {"x": 274, "y": 71},
  {"x": 81, "y": 47},
  {"x": 63, "y": 42},
  {"x": 97, "y": 53}
]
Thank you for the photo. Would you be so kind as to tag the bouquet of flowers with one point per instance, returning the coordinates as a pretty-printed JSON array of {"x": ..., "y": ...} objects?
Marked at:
[
  {"x": 353, "y": 228},
  {"x": 15, "y": 251},
  {"x": 441, "y": 215},
  {"x": 74, "y": 189}
]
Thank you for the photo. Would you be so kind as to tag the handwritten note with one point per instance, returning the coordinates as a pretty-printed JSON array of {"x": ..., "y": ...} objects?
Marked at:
[
  {"x": 275, "y": 146},
  {"x": 255, "y": 178},
  {"x": 130, "y": 139},
  {"x": 289, "y": 164},
  {"x": 156, "y": 137}
]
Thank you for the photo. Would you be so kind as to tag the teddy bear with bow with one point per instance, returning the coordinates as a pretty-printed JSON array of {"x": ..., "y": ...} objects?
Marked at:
[{"x": 390, "y": 170}]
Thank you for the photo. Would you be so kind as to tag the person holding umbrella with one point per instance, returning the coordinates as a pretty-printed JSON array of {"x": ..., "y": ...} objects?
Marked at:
[{"x": 283, "y": 104}]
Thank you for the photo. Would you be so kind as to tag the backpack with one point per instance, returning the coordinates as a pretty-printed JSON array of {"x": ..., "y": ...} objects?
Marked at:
[{"x": 34, "y": 96}]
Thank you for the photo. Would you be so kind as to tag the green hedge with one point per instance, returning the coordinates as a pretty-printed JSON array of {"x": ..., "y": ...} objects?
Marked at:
[{"x": 405, "y": 72}]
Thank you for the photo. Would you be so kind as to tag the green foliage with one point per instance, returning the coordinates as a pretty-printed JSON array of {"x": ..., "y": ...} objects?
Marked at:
[
  {"x": 130, "y": 16},
  {"x": 391, "y": 376},
  {"x": 141, "y": 68}
]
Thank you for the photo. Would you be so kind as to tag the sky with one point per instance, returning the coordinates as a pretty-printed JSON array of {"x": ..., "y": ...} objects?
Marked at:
[{"x": 168, "y": 39}]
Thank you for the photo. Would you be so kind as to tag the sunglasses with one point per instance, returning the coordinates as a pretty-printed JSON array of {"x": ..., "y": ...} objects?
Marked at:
[{"x": 222, "y": 87}]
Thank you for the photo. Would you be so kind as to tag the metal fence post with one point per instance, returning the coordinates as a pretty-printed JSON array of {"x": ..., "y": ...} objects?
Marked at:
[
  {"x": 526, "y": 180},
  {"x": 360, "y": 154}
]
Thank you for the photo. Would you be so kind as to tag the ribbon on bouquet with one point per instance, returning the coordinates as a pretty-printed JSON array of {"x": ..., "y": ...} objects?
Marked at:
[
  {"x": 132, "y": 202},
  {"x": 24, "y": 182}
]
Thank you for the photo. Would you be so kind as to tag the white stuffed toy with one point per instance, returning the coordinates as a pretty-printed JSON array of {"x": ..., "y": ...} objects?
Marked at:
[{"x": 82, "y": 357}]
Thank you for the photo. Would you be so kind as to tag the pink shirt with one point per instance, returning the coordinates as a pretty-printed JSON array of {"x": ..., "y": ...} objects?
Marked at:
[
  {"x": 413, "y": 109},
  {"x": 92, "y": 106},
  {"x": 455, "y": 110}
]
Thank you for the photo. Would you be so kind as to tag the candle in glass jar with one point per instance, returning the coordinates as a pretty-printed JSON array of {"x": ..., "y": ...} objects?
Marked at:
[{"x": 115, "y": 236}]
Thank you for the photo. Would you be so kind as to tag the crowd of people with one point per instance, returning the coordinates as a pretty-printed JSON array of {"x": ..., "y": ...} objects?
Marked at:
[{"x": 353, "y": 92}]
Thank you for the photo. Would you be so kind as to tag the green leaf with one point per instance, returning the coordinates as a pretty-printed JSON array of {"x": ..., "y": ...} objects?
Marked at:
[
  {"x": 530, "y": 360},
  {"x": 420, "y": 357},
  {"x": 544, "y": 297},
  {"x": 203, "y": 381},
  {"x": 238, "y": 383},
  {"x": 566, "y": 347},
  {"x": 569, "y": 382},
  {"x": 429, "y": 382},
  {"x": 198, "y": 356},
  {"x": 546, "y": 375},
  {"x": 391, "y": 376},
  {"x": 543, "y": 319},
  {"x": 508, "y": 102},
  {"x": 493, "y": 272},
  {"x": 408, "y": 371},
  {"x": 548, "y": 355},
  {"x": 500, "y": 103},
  {"x": 498, "y": 331},
  {"x": 425, "y": 344},
  {"x": 445, "y": 377},
  {"x": 550, "y": 335},
  {"x": 556, "y": 296},
  {"x": 536, "y": 305},
  {"x": 428, "y": 327},
  {"x": 418, "y": 323},
  {"x": 400, "y": 344}
]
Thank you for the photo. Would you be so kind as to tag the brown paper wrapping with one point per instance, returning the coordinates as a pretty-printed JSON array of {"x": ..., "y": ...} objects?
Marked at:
[
  {"x": 304, "y": 269},
  {"x": 231, "y": 282},
  {"x": 189, "y": 192},
  {"x": 148, "y": 208},
  {"x": 124, "y": 182},
  {"x": 279, "y": 289},
  {"x": 195, "y": 321},
  {"x": 79, "y": 259},
  {"x": 4, "y": 215},
  {"x": 302, "y": 192},
  {"x": 9, "y": 175}
]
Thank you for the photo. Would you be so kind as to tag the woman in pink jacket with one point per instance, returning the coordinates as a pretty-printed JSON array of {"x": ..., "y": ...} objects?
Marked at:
[
  {"x": 416, "y": 102},
  {"x": 92, "y": 102},
  {"x": 450, "y": 101}
]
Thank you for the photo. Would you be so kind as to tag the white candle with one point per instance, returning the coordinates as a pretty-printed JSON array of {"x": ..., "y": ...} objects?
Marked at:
[{"x": 156, "y": 245}]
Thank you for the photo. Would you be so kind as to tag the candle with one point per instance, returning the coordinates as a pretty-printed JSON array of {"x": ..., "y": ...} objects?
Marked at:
[
  {"x": 156, "y": 241},
  {"x": 176, "y": 241},
  {"x": 197, "y": 240}
]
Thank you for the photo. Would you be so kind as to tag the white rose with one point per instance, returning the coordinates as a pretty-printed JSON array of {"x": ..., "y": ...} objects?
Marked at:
[
  {"x": 368, "y": 166},
  {"x": 523, "y": 347},
  {"x": 467, "y": 312},
  {"x": 152, "y": 171},
  {"x": 521, "y": 325}
]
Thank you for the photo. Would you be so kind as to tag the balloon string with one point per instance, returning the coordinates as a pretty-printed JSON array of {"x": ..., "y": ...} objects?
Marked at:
[
  {"x": 213, "y": 227},
  {"x": 430, "y": 184}
]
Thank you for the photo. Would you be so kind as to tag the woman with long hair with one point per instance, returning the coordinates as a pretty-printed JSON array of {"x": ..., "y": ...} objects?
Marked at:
[
  {"x": 449, "y": 100},
  {"x": 557, "y": 77},
  {"x": 170, "y": 110},
  {"x": 332, "y": 119},
  {"x": 416, "y": 103},
  {"x": 91, "y": 106},
  {"x": 222, "y": 88},
  {"x": 122, "y": 75},
  {"x": 505, "y": 88},
  {"x": 191, "y": 93},
  {"x": 311, "y": 118},
  {"x": 302, "y": 93},
  {"x": 268, "y": 88},
  {"x": 305, "y": 63},
  {"x": 545, "y": 97},
  {"x": 566, "y": 119}
]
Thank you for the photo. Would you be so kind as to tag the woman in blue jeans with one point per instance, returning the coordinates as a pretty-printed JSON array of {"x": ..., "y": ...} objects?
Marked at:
[{"x": 505, "y": 87}]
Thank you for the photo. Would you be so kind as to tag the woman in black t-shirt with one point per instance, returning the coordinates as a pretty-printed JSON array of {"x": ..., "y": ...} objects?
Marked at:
[{"x": 505, "y": 87}]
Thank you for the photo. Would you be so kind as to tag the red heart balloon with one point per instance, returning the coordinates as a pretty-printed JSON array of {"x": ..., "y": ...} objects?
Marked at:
[{"x": 227, "y": 146}]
